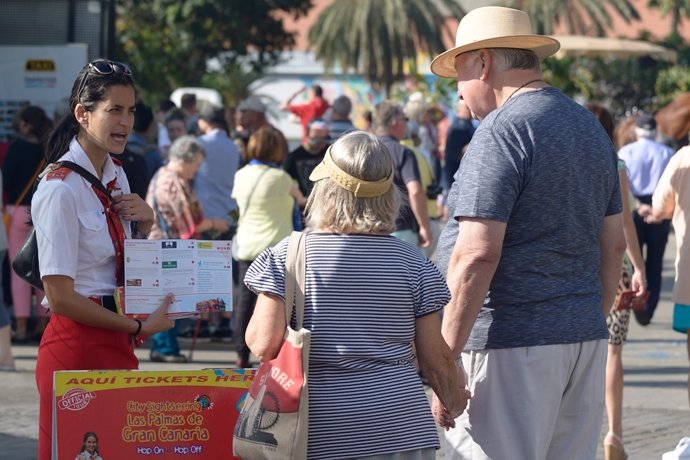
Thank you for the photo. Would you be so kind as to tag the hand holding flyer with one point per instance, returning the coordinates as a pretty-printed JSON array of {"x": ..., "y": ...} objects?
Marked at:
[{"x": 197, "y": 272}]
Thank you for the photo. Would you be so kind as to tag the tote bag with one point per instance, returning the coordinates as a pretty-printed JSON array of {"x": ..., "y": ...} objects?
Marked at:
[{"x": 273, "y": 423}]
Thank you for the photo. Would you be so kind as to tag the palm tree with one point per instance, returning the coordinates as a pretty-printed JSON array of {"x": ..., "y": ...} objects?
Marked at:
[
  {"x": 677, "y": 8},
  {"x": 578, "y": 16},
  {"x": 378, "y": 37}
]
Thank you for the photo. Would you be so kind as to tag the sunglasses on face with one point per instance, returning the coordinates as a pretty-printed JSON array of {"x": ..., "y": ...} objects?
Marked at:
[{"x": 102, "y": 67}]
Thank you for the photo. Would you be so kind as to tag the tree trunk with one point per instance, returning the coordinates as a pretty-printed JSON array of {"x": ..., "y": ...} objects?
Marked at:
[{"x": 675, "y": 16}]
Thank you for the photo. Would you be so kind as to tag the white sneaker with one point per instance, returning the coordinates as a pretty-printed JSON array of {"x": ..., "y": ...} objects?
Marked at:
[{"x": 681, "y": 452}]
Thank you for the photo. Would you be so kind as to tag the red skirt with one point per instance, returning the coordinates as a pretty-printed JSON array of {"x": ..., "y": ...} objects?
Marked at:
[{"x": 69, "y": 345}]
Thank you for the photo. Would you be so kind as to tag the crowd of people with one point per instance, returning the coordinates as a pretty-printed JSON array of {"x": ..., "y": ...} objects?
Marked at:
[{"x": 538, "y": 201}]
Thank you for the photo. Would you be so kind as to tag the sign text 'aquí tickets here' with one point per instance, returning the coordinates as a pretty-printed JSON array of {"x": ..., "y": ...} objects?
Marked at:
[{"x": 148, "y": 414}]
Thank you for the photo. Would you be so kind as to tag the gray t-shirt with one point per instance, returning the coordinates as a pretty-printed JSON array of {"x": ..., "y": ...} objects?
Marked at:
[
  {"x": 543, "y": 165},
  {"x": 405, "y": 169}
]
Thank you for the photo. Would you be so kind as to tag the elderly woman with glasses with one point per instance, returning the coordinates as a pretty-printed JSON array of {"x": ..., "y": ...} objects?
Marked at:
[
  {"x": 370, "y": 301},
  {"x": 80, "y": 231}
]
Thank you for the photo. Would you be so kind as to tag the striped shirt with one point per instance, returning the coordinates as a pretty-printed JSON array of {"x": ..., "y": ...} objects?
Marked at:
[{"x": 363, "y": 293}]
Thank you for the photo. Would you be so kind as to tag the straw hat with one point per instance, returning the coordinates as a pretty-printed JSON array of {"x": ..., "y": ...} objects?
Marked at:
[{"x": 493, "y": 27}]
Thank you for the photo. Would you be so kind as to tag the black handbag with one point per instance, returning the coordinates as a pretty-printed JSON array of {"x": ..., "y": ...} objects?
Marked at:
[{"x": 25, "y": 264}]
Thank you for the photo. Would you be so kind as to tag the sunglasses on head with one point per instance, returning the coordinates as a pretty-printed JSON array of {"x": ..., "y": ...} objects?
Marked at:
[{"x": 102, "y": 67}]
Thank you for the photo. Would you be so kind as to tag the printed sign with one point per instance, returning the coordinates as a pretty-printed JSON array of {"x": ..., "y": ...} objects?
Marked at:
[
  {"x": 147, "y": 414},
  {"x": 198, "y": 272},
  {"x": 38, "y": 75}
]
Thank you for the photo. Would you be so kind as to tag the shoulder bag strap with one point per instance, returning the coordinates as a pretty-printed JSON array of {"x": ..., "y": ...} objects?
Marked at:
[
  {"x": 295, "y": 272},
  {"x": 249, "y": 197},
  {"x": 115, "y": 228},
  {"x": 30, "y": 183},
  {"x": 93, "y": 180}
]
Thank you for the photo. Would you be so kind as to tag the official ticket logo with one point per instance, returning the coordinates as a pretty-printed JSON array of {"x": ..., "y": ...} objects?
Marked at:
[{"x": 75, "y": 399}]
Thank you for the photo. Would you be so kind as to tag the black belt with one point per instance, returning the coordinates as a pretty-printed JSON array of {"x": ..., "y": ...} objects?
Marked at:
[{"x": 106, "y": 301}]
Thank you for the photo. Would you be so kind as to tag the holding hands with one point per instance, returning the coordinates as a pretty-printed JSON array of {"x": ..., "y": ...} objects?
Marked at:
[
  {"x": 445, "y": 412},
  {"x": 647, "y": 213}
]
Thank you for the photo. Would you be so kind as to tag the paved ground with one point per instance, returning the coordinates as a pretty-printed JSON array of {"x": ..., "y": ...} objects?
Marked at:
[{"x": 656, "y": 410}]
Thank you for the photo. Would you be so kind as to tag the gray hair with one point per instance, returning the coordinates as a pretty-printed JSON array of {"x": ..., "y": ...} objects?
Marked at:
[
  {"x": 331, "y": 207},
  {"x": 342, "y": 106},
  {"x": 513, "y": 58},
  {"x": 185, "y": 149},
  {"x": 385, "y": 114}
]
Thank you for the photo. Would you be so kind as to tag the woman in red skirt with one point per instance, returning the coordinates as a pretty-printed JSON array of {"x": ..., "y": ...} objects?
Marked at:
[{"x": 80, "y": 232}]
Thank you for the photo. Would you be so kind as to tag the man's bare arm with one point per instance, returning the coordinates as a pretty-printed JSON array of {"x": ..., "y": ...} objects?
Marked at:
[{"x": 472, "y": 266}]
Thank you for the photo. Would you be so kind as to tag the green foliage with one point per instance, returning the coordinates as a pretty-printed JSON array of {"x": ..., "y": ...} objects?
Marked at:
[
  {"x": 557, "y": 73},
  {"x": 620, "y": 84},
  {"x": 583, "y": 17},
  {"x": 232, "y": 83},
  {"x": 168, "y": 43},
  {"x": 435, "y": 90},
  {"x": 380, "y": 38},
  {"x": 676, "y": 8},
  {"x": 671, "y": 82}
]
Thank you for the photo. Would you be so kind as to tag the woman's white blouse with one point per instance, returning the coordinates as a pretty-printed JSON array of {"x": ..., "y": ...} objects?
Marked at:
[{"x": 71, "y": 228}]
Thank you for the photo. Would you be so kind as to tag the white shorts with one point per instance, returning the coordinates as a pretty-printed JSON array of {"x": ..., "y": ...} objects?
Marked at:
[{"x": 532, "y": 403}]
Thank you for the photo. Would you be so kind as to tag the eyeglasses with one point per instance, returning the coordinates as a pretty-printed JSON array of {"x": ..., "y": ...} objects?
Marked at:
[{"x": 102, "y": 67}]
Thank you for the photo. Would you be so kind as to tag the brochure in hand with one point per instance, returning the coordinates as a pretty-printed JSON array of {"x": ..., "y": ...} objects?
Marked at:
[{"x": 197, "y": 272}]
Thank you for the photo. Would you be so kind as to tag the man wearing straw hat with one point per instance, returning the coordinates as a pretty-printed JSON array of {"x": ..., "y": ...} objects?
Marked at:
[{"x": 532, "y": 251}]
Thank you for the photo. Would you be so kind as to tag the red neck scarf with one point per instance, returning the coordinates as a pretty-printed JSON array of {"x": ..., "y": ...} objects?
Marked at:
[{"x": 116, "y": 230}]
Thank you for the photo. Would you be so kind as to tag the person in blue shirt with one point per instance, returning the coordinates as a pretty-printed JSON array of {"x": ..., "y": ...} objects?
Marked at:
[{"x": 646, "y": 160}]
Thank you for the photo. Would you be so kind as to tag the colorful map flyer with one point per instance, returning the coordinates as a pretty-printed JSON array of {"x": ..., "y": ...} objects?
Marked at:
[
  {"x": 148, "y": 414},
  {"x": 198, "y": 272}
]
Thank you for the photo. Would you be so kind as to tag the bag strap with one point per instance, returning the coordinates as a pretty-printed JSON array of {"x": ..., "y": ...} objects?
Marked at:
[
  {"x": 93, "y": 180},
  {"x": 31, "y": 182},
  {"x": 115, "y": 228},
  {"x": 295, "y": 273},
  {"x": 249, "y": 197}
]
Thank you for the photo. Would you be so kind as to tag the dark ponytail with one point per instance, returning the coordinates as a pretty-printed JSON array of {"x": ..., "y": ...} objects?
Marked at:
[{"x": 60, "y": 138}]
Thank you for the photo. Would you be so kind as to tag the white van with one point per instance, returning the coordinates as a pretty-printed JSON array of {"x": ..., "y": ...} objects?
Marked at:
[{"x": 204, "y": 96}]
